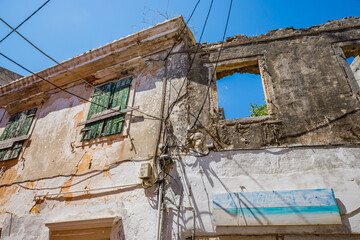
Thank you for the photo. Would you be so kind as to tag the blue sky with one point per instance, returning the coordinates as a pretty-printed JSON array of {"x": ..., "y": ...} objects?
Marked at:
[{"x": 65, "y": 28}]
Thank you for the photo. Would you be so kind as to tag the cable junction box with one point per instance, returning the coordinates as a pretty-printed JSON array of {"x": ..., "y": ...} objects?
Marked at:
[{"x": 145, "y": 171}]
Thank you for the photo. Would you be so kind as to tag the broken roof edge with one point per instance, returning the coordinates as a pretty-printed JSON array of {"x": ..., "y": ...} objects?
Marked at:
[
  {"x": 158, "y": 30},
  {"x": 275, "y": 34}
]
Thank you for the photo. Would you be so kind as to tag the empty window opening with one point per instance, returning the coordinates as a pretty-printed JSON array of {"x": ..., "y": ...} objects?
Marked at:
[
  {"x": 241, "y": 92},
  {"x": 352, "y": 54}
]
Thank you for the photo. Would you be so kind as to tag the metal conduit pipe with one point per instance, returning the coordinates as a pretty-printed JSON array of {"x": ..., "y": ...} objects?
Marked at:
[
  {"x": 156, "y": 160},
  {"x": 160, "y": 211}
]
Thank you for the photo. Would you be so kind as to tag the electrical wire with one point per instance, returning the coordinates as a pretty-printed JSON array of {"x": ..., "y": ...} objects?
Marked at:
[
  {"x": 87, "y": 191},
  {"x": 53, "y": 84},
  {"x": 60, "y": 64},
  {"x": 172, "y": 47},
  {"x": 217, "y": 61},
  {"x": 191, "y": 61},
  {"x": 76, "y": 75},
  {"x": 95, "y": 171},
  {"x": 201, "y": 35},
  {"x": 164, "y": 166},
  {"x": 24, "y": 21},
  {"x": 182, "y": 31}
]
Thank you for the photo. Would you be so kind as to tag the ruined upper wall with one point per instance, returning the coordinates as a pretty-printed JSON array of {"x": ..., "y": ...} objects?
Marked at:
[
  {"x": 311, "y": 93},
  {"x": 276, "y": 34}
]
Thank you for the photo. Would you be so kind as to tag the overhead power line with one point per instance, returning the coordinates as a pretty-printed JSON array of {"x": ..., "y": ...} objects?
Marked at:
[
  {"x": 192, "y": 60},
  {"x": 76, "y": 75},
  {"x": 217, "y": 61},
  {"x": 24, "y": 21},
  {"x": 58, "y": 63},
  {"x": 53, "y": 84},
  {"x": 201, "y": 35},
  {"x": 63, "y": 89},
  {"x": 182, "y": 31}
]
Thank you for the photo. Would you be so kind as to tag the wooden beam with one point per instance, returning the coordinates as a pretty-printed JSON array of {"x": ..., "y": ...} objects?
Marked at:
[
  {"x": 10, "y": 142},
  {"x": 26, "y": 103},
  {"x": 107, "y": 114}
]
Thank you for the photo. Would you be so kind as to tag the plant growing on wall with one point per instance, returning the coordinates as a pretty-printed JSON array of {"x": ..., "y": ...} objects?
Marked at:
[{"x": 258, "y": 110}]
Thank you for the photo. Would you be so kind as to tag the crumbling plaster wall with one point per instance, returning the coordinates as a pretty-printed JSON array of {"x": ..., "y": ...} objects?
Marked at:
[
  {"x": 310, "y": 97},
  {"x": 292, "y": 67},
  {"x": 25, "y": 217},
  {"x": 54, "y": 161},
  {"x": 313, "y": 104}
]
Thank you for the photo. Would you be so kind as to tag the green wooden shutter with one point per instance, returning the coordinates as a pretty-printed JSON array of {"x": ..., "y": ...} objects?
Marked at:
[
  {"x": 93, "y": 130},
  {"x": 18, "y": 125},
  {"x": 120, "y": 95}
]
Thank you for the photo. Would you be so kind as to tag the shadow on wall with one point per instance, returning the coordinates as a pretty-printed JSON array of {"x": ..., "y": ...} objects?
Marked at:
[
  {"x": 201, "y": 167},
  {"x": 345, "y": 216}
]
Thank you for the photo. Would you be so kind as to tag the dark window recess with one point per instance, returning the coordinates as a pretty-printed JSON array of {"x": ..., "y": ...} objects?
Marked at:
[
  {"x": 18, "y": 125},
  {"x": 119, "y": 92}
]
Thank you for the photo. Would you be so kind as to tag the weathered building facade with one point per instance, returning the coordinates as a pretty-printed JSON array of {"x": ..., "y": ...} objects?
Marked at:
[{"x": 72, "y": 150}]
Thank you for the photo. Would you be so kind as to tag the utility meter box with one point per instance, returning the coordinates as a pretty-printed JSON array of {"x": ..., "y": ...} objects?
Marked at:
[{"x": 145, "y": 171}]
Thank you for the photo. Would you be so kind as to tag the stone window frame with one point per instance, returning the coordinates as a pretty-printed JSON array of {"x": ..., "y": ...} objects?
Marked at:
[
  {"x": 268, "y": 90},
  {"x": 340, "y": 56}
]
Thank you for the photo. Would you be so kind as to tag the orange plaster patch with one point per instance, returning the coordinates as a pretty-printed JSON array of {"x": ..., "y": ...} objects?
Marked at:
[
  {"x": 121, "y": 149},
  {"x": 29, "y": 185},
  {"x": 106, "y": 174},
  {"x": 82, "y": 167},
  {"x": 78, "y": 117},
  {"x": 7, "y": 192},
  {"x": 9, "y": 176},
  {"x": 84, "y": 164},
  {"x": 65, "y": 188},
  {"x": 35, "y": 208}
]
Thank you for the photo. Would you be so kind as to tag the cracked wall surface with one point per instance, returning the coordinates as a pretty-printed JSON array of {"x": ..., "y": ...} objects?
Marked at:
[
  {"x": 310, "y": 99},
  {"x": 309, "y": 140}
]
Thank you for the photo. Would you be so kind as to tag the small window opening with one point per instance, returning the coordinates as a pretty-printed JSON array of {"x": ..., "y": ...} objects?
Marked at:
[
  {"x": 240, "y": 91},
  {"x": 352, "y": 54}
]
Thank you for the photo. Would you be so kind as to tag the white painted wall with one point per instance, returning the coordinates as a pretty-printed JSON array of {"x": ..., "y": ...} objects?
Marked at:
[{"x": 266, "y": 170}]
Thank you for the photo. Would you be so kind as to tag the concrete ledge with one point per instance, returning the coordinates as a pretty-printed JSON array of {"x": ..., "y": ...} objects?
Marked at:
[
  {"x": 83, "y": 224},
  {"x": 248, "y": 120}
]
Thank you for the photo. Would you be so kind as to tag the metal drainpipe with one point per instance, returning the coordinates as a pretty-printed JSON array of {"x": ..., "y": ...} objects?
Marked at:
[
  {"x": 160, "y": 211},
  {"x": 160, "y": 176},
  {"x": 194, "y": 225}
]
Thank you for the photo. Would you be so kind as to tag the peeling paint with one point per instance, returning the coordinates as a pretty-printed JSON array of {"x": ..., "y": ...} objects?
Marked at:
[{"x": 99, "y": 178}]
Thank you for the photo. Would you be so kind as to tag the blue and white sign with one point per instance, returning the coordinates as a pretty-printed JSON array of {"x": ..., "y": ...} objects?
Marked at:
[{"x": 296, "y": 207}]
